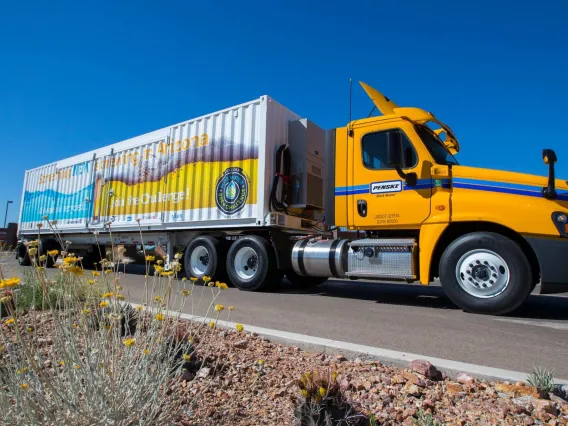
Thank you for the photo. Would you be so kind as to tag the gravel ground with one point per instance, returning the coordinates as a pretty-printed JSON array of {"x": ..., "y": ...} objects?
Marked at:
[{"x": 248, "y": 380}]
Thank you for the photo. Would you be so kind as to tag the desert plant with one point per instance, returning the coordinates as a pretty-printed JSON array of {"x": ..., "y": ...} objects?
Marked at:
[
  {"x": 86, "y": 356},
  {"x": 542, "y": 379},
  {"x": 424, "y": 418},
  {"x": 321, "y": 402}
]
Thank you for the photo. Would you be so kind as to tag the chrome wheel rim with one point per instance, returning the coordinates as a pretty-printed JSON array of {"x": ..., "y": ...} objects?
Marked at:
[
  {"x": 199, "y": 261},
  {"x": 483, "y": 273},
  {"x": 246, "y": 263}
]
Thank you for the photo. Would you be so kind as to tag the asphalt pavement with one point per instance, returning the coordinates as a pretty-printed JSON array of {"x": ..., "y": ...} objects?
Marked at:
[{"x": 403, "y": 317}]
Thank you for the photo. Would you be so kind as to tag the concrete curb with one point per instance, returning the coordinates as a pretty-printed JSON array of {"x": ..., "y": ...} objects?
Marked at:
[{"x": 353, "y": 350}]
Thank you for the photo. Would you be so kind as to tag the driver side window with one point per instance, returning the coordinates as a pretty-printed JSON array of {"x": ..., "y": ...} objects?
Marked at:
[{"x": 374, "y": 148}]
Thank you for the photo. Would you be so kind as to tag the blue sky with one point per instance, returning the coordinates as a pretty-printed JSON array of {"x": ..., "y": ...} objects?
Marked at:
[{"x": 77, "y": 76}]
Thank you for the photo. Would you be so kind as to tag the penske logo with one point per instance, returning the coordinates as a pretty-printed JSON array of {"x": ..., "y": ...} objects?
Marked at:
[{"x": 384, "y": 187}]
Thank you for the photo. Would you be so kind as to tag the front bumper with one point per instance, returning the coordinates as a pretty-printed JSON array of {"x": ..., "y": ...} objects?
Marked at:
[{"x": 552, "y": 255}]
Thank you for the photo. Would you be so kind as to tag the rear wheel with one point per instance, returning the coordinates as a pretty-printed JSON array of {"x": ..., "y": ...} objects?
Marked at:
[
  {"x": 202, "y": 258},
  {"x": 23, "y": 257},
  {"x": 251, "y": 264},
  {"x": 485, "y": 273},
  {"x": 303, "y": 281}
]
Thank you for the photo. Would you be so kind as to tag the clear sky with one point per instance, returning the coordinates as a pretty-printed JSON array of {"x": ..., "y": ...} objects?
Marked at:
[{"x": 75, "y": 76}]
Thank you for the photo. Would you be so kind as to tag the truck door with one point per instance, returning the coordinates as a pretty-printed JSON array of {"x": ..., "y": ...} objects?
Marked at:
[{"x": 378, "y": 197}]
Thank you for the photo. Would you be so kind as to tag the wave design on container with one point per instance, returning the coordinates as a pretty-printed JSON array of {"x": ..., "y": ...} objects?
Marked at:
[{"x": 57, "y": 205}]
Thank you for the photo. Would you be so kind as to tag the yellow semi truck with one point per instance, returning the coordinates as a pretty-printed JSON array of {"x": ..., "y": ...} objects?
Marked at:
[{"x": 255, "y": 192}]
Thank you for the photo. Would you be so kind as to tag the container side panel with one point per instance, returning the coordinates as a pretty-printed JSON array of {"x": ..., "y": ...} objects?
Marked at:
[
  {"x": 129, "y": 184},
  {"x": 40, "y": 197},
  {"x": 75, "y": 186},
  {"x": 213, "y": 176}
]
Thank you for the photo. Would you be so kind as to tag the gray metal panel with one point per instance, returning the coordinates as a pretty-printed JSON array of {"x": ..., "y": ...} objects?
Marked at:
[{"x": 329, "y": 179}]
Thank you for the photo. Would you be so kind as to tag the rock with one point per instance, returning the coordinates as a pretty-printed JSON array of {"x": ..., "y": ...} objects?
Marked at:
[
  {"x": 340, "y": 358},
  {"x": 412, "y": 390},
  {"x": 398, "y": 379},
  {"x": 279, "y": 392},
  {"x": 465, "y": 379},
  {"x": 409, "y": 412},
  {"x": 562, "y": 405},
  {"x": 516, "y": 391},
  {"x": 203, "y": 373},
  {"x": 186, "y": 376},
  {"x": 527, "y": 402},
  {"x": 241, "y": 344},
  {"x": 546, "y": 406},
  {"x": 454, "y": 389},
  {"x": 359, "y": 386},
  {"x": 426, "y": 369},
  {"x": 358, "y": 361},
  {"x": 367, "y": 385},
  {"x": 427, "y": 404},
  {"x": 47, "y": 363},
  {"x": 223, "y": 334},
  {"x": 414, "y": 379},
  {"x": 345, "y": 385}
]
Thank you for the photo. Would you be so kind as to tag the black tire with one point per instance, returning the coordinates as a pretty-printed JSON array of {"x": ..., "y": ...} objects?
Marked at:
[
  {"x": 210, "y": 265},
  {"x": 303, "y": 281},
  {"x": 509, "y": 298},
  {"x": 262, "y": 262},
  {"x": 23, "y": 257}
]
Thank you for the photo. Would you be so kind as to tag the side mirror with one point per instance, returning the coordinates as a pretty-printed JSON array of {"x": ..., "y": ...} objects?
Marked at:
[
  {"x": 394, "y": 149},
  {"x": 549, "y": 157},
  {"x": 395, "y": 157}
]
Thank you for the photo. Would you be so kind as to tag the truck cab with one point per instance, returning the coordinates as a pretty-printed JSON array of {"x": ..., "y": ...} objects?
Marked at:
[{"x": 490, "y": 236}]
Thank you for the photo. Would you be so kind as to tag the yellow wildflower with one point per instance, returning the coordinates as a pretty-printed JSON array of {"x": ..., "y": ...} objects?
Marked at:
[
  {"x": 103, "y": 304},
  {"x": 150, "y": 258},
  {"x": 146, "y": 351},
  {"x": 211, "y": 284},
  {"x": 74, "y": 325},
  {"x": 33, "y": 243},
  {"x": 158, "y": 299},
  {"x": 9, "y": 321},
  {"x": 108, "y": 327},
  {"x": 86, "y": 311},
  {"x": 120, "y": 296},
  {"x": 160, "y": 317},
  {"x": 119, "y": 287},
  {"x": 2, "y": 347},
  {"x": 212, "y": 324},
  {"x": 231, "y": 308},
  {"x": 219, "y": 307},
  {"x": 193, "y": 279},
  {"x": 167, "y": 273},
  {"x": 184, "y": 279},
  {"x": 239, "y": 327},
  {"x": 108, "y": 295},
  {"x": 61, "y": 363},
  {"x": 96, "y": 273},
  {"x": 76, "y": 270},
  {"x": 5, "y": 299},
  {"x": 206, "y": 278},
  {"x": 69, "y": 260},
  {"x": 24, "y": 385},
  {"x": 10, "y": 282},
  {"x": 43, "y": 258},
  {"x": 29, "y": 329},
  {"x": 261, "y": 361},
  {"x": 178, "y": 255},
  {"x": 159, "y": 262},
  {"x": 108, "y": 271},
  {"x": 185, "y": 293},
  {"x": 305, "y": 393},
  {"x": 22, "y": 371},
  {"x": 222, "y": 286},
  {"x": 129, "y": 342},
  {"x": 322, "y": 391},
  {"x": 139, "y": 308},
  {"x": 158, "y": 268},
  {"x": 77, "y": 367},
  {"x": 53, "y": 253},
  {"x": 186, "y": 357},
  {"x": 91, "y": 282},
  {"x": 32, "y": 251}
]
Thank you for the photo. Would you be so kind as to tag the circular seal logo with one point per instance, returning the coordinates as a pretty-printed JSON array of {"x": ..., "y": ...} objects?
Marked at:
[{"x": 231, "y": 191}]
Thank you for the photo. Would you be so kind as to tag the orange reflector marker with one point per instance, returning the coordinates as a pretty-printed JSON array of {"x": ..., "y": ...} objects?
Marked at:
[{"x": 441, "y": 207}]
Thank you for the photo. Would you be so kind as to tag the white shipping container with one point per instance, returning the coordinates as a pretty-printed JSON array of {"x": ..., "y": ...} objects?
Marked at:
[{"x": 214, "y": 171}]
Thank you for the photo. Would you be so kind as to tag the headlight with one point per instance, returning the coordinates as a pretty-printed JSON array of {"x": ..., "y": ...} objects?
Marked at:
[{"x": 561, "y": 221}]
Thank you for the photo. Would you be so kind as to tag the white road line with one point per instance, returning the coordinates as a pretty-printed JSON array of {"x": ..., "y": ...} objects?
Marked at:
[
  {"x": 319, "y": 344},
  {"x": 553, "y": 325}
]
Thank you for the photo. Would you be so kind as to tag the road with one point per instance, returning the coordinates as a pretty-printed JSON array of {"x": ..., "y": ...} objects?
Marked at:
[{"x": 408, "y": 318}]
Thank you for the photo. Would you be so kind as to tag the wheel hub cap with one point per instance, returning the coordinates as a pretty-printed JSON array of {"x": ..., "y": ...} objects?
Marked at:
[
  {"x": 246, "y": 263},
  {"x": 199, "y": 261},
  {"x": 482, "y": 273}
]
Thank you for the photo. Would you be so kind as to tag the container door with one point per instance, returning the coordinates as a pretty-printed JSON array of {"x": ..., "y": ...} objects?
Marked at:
[{"x": 40, "y": 195}]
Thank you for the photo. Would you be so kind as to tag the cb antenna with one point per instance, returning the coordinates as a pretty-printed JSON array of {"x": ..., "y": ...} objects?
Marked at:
[{"x": 350, "y": 132}]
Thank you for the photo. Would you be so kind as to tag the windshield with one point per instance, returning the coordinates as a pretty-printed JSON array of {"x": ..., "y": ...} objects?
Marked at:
[{"x": 435, "y": 146}]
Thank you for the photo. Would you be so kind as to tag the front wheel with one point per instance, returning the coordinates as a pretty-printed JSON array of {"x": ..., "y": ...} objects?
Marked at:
[
  {"x": 485, "y": 273},
  {"x": 202, "y": 258}
]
